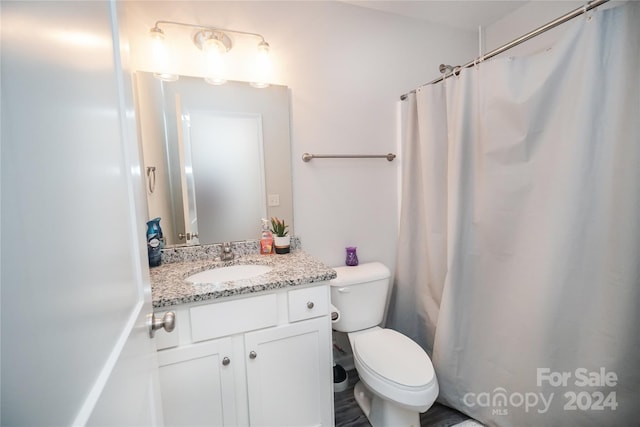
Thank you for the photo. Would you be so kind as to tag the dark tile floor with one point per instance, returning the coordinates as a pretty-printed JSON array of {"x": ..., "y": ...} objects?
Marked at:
[{"x": 349, "y": 414}]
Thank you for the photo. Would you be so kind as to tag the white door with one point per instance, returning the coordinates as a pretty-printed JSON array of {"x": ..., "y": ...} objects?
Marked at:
[{"x": 75, "y": 282}]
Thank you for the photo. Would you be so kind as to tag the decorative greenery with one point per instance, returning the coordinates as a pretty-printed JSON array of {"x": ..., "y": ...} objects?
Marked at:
[{"x": 278, "y": 227}]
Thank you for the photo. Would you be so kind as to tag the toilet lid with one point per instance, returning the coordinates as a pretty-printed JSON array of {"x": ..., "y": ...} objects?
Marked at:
[{"x": 395, "y": 357}]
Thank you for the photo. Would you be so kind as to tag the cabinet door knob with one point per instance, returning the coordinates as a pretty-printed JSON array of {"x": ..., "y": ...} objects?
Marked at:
[
  {"x": 226, "y": 361},
  {"x": 253, "y": 355},
  {"x": 310, "y": 305}
]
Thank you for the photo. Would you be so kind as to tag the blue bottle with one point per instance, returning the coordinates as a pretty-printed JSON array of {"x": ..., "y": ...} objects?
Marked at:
[{"x": 154, "y": 242}]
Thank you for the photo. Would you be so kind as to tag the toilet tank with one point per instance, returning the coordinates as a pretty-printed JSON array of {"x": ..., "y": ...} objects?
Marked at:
[{"x": 360, "y": 295}]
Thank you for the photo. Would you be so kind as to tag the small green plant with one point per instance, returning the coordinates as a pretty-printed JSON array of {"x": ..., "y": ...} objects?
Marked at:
[{"x": 278, "y": 227}]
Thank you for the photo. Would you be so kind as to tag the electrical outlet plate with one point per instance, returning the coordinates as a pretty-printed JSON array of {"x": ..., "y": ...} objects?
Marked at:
[{"x": 273, "y": 200}]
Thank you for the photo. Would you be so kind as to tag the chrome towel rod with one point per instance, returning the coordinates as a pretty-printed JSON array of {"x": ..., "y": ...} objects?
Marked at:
[{"x": 306, "y": 157}]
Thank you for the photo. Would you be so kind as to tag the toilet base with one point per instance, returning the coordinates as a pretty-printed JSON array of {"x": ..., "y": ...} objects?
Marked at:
[{"x": 383, "y": 413}]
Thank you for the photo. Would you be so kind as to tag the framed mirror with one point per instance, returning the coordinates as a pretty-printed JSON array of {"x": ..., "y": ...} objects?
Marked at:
[{"x": 217, "y": 158}]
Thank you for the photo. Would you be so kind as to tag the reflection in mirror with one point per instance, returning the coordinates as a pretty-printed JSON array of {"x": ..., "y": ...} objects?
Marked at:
[
  {"x": 219, "y": 152},
  {"x": 224, "y": 146}
]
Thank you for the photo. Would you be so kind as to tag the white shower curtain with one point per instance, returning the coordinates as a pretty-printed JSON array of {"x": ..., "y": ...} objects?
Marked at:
[{"x": 518, "y": 266}]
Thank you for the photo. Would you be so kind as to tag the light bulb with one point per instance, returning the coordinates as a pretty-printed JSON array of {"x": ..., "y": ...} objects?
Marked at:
[
  {"x": 263, "y": 48},
  {"x": 215, "y": 46},
  {"x": 156, "y": 33},
  {"x": 160, "y": 57},
  {"x": 262, "y": 70},
  {"x": 214, "y": 54}
]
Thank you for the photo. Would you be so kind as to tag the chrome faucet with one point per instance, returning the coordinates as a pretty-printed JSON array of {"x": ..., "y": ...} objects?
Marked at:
[{"x": 227, "y": 253}]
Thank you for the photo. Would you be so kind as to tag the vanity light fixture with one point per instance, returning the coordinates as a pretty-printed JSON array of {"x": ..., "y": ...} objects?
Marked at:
[{"x": 215, "y": 43}]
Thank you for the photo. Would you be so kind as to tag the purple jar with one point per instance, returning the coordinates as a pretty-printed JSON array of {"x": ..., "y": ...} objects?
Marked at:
[{"x": 352, "y": 257}]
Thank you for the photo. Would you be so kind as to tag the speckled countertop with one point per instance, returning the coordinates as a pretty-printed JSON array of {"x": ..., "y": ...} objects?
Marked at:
[{"x": 169, "y": 287}]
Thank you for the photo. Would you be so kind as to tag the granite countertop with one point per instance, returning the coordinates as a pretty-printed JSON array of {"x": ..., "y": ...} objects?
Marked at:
[{"x": 169, "y": 287}]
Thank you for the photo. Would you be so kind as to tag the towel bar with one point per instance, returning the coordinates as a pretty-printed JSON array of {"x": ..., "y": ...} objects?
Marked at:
[{"x": 306, "y": 157}]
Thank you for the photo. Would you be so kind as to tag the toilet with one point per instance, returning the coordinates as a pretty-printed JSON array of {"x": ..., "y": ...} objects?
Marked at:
[{"x": 397, "y": 380}]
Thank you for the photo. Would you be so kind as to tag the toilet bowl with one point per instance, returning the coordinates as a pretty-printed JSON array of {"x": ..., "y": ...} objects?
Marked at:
[{"x": 397, "y": 379}]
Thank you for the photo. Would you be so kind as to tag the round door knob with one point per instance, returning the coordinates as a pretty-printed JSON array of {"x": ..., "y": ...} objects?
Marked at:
[
  {"x": 168, "y": 322},
  {"x": 253, "y": 355},
  {"x": 226, "y": 361},
  {"x": 310, "y": 305}
]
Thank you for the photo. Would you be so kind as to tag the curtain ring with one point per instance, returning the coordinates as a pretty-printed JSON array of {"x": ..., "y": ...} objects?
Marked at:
[{"x": 587, "y": 13}]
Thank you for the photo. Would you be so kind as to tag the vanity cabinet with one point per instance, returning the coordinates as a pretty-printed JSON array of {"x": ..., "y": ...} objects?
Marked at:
[{"x": 262, "y": 360}]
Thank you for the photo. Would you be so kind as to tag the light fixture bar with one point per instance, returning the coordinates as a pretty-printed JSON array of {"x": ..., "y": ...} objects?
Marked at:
[{"x": 209, "y": 28}]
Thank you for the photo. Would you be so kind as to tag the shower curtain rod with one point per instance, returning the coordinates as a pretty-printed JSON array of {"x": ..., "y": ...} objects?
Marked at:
[{"x": 546, "y": 27}]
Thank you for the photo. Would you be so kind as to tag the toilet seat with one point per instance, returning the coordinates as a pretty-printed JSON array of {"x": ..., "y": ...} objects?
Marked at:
[
  {"x": 395, "y": 357},
  {"x": 395, "y": 367}
]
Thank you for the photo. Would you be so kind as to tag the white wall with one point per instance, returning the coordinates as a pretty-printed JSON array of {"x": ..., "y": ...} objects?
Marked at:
[
  {"x": 346, "y": 67},
  {"x": 531, "y": 15}
]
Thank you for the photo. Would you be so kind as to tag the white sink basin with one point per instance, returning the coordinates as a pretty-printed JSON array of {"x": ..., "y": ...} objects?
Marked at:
[{"x": 227, "y": 274}]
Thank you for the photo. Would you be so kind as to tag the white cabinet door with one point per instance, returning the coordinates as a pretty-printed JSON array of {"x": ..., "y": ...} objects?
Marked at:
[
  {"x": 289, "y": 375},
  {"x": 198, "y": 384}
]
